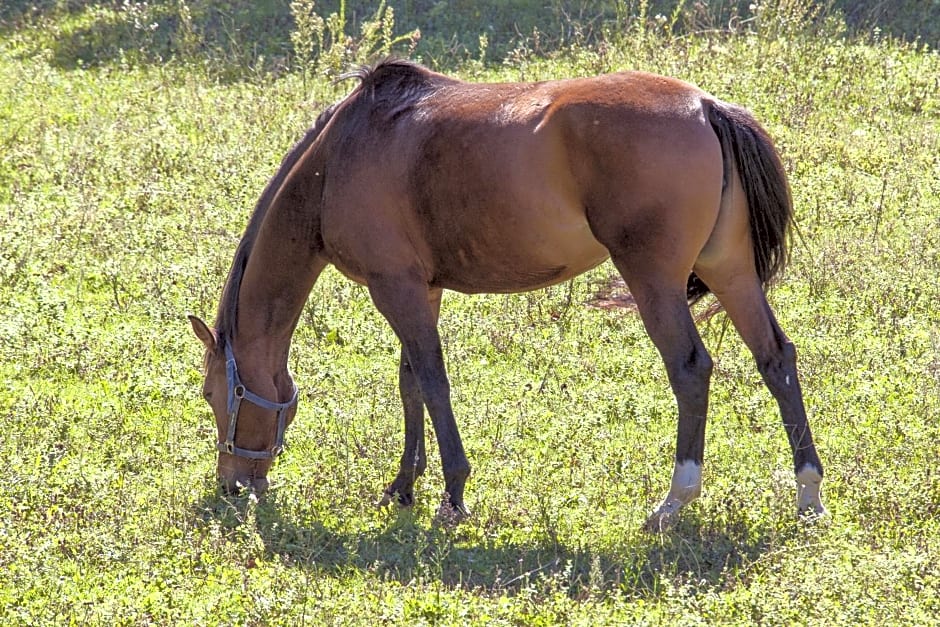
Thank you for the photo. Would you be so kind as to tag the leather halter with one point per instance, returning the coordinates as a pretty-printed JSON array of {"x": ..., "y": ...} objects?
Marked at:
[{"x": 237, "y": 392}]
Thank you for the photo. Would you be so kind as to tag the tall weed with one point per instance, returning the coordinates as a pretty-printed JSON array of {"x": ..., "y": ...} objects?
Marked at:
[
  {"x": 124, "y": 188},
  {"x": 322, "y": 45}
]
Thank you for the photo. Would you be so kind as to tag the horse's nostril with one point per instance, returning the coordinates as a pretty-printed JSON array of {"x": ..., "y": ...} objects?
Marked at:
[
  {"x": 230, "y": 487},
  {"x": 259, "y": 485}
]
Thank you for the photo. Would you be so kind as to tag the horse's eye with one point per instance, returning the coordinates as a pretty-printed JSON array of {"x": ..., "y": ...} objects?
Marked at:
[{"x": 207, "y": 396}]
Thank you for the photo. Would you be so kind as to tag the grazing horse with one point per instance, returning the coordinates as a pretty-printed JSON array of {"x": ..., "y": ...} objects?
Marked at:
[{"x": 416, "y": 182}]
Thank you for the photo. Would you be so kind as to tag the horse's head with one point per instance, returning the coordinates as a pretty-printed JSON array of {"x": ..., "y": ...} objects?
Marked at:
[{"x": 250, "y": 427}]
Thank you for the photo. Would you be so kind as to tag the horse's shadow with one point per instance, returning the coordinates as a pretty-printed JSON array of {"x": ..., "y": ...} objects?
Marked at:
[{"x": 406, "y": 549}]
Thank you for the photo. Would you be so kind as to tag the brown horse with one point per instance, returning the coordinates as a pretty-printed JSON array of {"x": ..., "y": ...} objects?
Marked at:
[{"x": 416, "y": 183}]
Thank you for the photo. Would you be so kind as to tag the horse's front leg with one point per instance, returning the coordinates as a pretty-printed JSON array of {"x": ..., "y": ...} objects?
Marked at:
[
  {"x": 412, "y": 311},
  {"x": 414, "y": 459}
]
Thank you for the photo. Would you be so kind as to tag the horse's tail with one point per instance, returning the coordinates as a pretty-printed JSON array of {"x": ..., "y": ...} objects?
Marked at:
[{"x": 747, "y": 146}]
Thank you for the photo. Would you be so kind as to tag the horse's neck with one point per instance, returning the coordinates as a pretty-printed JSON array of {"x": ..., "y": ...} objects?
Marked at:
[
  {"x": 279, "y": 274},
  {"x": 284, "y": 260}
]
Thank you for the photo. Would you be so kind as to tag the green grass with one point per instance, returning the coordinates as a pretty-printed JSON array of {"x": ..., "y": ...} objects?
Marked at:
[{"x": 124, "y": 188}]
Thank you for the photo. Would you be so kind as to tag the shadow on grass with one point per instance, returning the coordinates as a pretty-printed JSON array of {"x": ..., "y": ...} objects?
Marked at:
[
  {"x": 242, "y": 33},
  {"x": 695, "y": 553},
  {"x": 90, "y": 34}
]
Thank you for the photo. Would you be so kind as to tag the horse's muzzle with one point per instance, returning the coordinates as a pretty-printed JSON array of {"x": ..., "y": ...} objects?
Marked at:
[{"x": 243, "y": 486}]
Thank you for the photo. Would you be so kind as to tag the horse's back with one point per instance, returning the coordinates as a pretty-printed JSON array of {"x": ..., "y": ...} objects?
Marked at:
[{"x": 508, "y": 187}]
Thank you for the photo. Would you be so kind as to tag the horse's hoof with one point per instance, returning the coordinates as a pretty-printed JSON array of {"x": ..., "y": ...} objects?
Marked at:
[
  {"x": 659, "y": 523},
  {"x": 451, "y": 514},
  {"x": 403, "y": 502},
  {"x": 663, "y": 517},
  {"x": 813, "y": 515}
]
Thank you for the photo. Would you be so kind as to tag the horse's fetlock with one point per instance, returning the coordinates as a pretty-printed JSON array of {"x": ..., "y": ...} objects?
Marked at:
[{"x": 460, "y": 472}]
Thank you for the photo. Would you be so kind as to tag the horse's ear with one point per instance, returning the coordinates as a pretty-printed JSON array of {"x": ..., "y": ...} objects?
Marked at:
[{"x": 206, "y": 334}]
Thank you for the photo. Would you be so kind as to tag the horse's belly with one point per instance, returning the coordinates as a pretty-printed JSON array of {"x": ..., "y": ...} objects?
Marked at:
[{"x": 519, "y": 257}]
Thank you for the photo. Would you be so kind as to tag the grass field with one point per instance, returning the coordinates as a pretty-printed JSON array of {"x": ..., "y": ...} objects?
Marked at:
[{"x": 124, "y": 188}]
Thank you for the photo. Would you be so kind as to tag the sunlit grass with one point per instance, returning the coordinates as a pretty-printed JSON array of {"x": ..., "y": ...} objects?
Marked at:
[{"x": 123, "y": 192}]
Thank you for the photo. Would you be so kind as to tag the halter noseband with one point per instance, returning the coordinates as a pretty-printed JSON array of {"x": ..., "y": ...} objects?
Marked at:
[{"x": 237, "y": 392}]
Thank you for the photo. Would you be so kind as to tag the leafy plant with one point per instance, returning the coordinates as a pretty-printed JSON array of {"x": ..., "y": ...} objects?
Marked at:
[
  {"x": 322, "y": 44},
  {"x": 125, "y": 184}
]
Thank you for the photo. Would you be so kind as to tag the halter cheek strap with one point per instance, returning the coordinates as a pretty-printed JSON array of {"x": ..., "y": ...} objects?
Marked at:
[{"x": 237, "y": 392}]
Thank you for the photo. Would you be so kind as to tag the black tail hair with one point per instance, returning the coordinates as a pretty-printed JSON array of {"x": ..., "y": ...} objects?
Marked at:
[{"x": 747, "y": 146}]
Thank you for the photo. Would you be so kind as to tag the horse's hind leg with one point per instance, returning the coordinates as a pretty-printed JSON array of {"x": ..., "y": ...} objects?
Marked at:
[
  {"x": 662, "y": 304},
  {"x": 414, "y": 459},
  {"x": 740, "y": 293},
  {"x": 408, "y": 306}
]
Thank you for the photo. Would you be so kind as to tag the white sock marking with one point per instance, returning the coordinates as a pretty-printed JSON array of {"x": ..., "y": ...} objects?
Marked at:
[
  {"x": 686, "y": 486},
  {"x": 808, "y": 482},
  {"x": 686, "y": 482}
]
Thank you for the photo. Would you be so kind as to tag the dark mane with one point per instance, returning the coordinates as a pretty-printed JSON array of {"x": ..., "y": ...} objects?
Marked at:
[
  {"x": 392, "y": 75},
  {"x": 390, "y": 88},
  {"x": 225, "y": 321}
]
